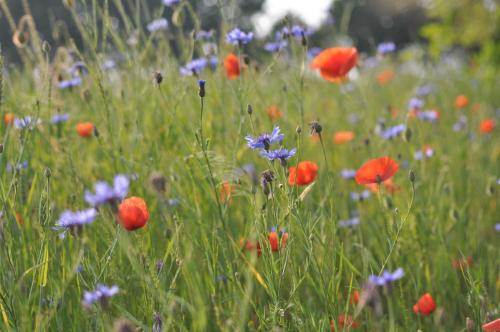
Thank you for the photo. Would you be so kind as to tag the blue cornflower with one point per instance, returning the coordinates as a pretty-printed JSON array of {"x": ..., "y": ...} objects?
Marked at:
[
  {"x": 194, "y": 67},
  {"x": 60, "y": 118},
  {"x": 236, "y": 37},
  {"x": 425, "y": 90},
  {"x": 265, "y": 140},
  {"x": 461, "y": 124},
  {"x": 204, "y": 35},
  {"x": 431, "y": 116},
  {"x": 173, "y": 202},
  {"x": 101, "y": 294},
  {"x": 171, "y": 2},
  {"x": 393, "y": 131},
  {"x": 420, "y": 154},
  {"x": 275, "y": 46},
  {"x": 386, "y": 48},
  {"x": 313, "y": 51},
  {"x": 386, "y": 278},
  {"x": 27, "y": 122},
  {"x": 348, "y": 173},
  {"x": 104, "y": 193},
  {"x": 213, "y": 61},
  {"x": 71, "y": 83},
  {"x": 497, "y": 227},
  {"x": 78, "y": 68},
  {"x": 281, "y": 154},
  {"x": 20, "y": 166},
  {"x": 109, "y": 64},
  {"x": 157, "y": 25},
  {"x": 365, "y": 194},
  {"x": 297, "y": 31},
  {"x": 222, "y": 278},
  {"x": 69, "y": 220},
  {"x": 415, "y": 103},
  {"x": 371, "y": 62},
  {"x": 354, "y": 221}
]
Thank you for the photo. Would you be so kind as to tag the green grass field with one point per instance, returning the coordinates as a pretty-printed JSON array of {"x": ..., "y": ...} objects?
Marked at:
[{"x": 187, "y": 269}]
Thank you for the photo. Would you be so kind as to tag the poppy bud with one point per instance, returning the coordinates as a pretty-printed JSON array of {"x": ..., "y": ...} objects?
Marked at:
[
  {"x": 315, "y": 128},
  {"x": 249, "y": 109},
  {"x": 407, "y": 135},
  {"x": 158, "y": 77},
  {"x": 246, "y": 59},
  {"x": 298, "y": 130},
  {"x": 304, "y": 39},
  {"x": 411, "y": 176},
  {"x": 48, "y": 173},
  {"x": 201, "y": 84},
  {"x": 133, "y": 213},
  {"x": 1, "y": 148}
]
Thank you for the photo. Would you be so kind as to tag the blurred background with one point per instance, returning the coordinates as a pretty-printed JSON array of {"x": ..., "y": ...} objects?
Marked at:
[{"x": 472, "y": 26}]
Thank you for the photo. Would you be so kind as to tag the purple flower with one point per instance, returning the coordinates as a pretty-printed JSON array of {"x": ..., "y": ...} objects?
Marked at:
[
  {"x": 101, "y": 294},
  {"x": 265, "y": 140},
  {"x": 460, "y": 124},
  {"x": 415, "y": 103},
  {"x": 69, "y": 220},
  {"x": 170, "y": 3},
  {"x": 348, "y": 173},
  {"x": 60, "y": 118},
  {"x": 365, "y": 194},
  {"x": 173, "y": 202},
  {"x": 71, "y": 83},
  {"x": 371, "y": 62},
  {"x": 386, "y": 48},
  {"x": 194, "y": 67},
  {"x": 420, "y": 154},
  {"x": 297, "y": 31},
  {"x": 349, "y": 222},
  {"x": 26, "y": 123},
  {"x": 393, "y": 131},
  {"x": 281, "y": 154},
  {"x": 313, "y": 51},
  {"x": 20, "y": 166},
  {"x": 104, "y": 193},
  {"x": 78, "y": 68},
  {"x": 204, "y": 35},
  {"x": 497, "y": 227},
  {"x": 431, "y": 116},
  {"x": 425, "y": 90},
  {"x": 157, "y": 25},
  {"x": 109, "y": 64},
  {"x": 237, "y": 37},
  {"x": 273, "y": 47},
  {"x": 386, "y": 278}
]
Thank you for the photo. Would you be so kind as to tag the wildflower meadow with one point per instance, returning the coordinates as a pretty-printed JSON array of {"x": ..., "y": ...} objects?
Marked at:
[{"x": 159, "y": 179}]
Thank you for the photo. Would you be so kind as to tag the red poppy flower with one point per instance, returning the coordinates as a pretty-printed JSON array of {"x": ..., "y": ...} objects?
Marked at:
[
  {"x": 133, "y": 213},
  {"x": 274, "y": 239},
  {"x": 354, "y": 298},
  {"x": 226, "y": 191},
  {"x": 303, "y": 174},
  {"x": 19, "y": 218},
  {"x": 487, "y": 126},
  {"x": 376, "y": 171},
  {"x": 344, "y": 321},
  {"x": 232, "y": 66},
  {"x": 462, "y": 263},
  {"x": 85, "y": 129},
  {"x": 461, "y": 101},
  {"x": 493, "y": 326},
  {"x": 385, "y": 77},
  {"x": 8, "y": 118},
  {"x": 335, "y": 63},
  {"x": 274, "y": 113},
  {"x": 341, "y": 137},
  {"x": 250, "y": 246},
  {"x": 425, "y": 305}
]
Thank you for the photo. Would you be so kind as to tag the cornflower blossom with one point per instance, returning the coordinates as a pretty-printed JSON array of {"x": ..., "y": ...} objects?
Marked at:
[
  {"x": 157, "y": 25},
  {"x": 297, "y": 31},
  {"x": 204, "y": 35},
  {"x": 170, "y": 3},
  {"x": 237, "y": 37},
  {"x": 348, "y": 173},
  {"x": 415, "y": 103},
  {"x": 420, "y": 154},
  {"x": 78, "y": 68},
  {"x": 275, "y": 46},
  {"x": 386, "y": 278},
  {"x": 74, "y": 221},
  {"x": 386, "y": 48},
  {"x": 497, "y": 227},
  {"x": 461, "y": 124},
  {"x": 282, "y": 154},
  {"x": 27, "y": 122},
  {"x": 431, "y": 116},
  {"x": 194, "y": 67},
  {"x": 101, "y": 294},
  {"x": 425, "y": 90},
  {"x": 104, "y": 193},
  {"x": 365, "y": 194},
  {"x": 265, "y": 140},
  {"x": 313, "y": 51},
  {"x": 70, "y": 83},
  {"x": 20, "y": 166},
  {"x": 351, "y": 222},
  {"x": 60, "y": 118},
  {"x": 393, "y": 131},
  {"x": 173, "y": 202}
]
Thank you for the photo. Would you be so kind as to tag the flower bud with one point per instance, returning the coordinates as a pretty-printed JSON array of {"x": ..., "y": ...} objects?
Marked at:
[{"x": 201, "y": 84}]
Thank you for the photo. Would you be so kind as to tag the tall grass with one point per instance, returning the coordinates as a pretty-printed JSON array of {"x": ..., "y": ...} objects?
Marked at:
[{"x": 186, "y": 268}]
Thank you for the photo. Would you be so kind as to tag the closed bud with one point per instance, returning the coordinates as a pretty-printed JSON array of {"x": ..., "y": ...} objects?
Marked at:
[
  {"x": 298, "y": 130},
  {"x": 304, "y": 39},
  {"x": 388, "y": 202},
  {"x": 48, "y": 172},
  {"x": 158, "y": 77},
  {"x": 407, "y": 135},
  {"x": 1, "y": 148},
  {"x": 201, "y": 85},
  {"x": 249, "y": 109},
  {"x": 411, "y": 176}
]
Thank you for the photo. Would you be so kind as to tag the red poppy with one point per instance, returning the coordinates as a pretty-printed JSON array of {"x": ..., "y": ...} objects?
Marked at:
[
  {"x": 354, "y": 298},
  {"x": 376, "y": 170},
  {"x": 487, "y": 126},
  {"x": 274, "y": 239},
  {"x": 425, "y": 305},
  {"x": 344, "y": 321},
  {"x": 461, "y": 101},
  {"x": 303, "y": 174},
  {"x": 341, "y": 137},
  {"x": 462, "y": 263},
  {"x": 19, "y": 218},
  {"x": 85, "y": 129},
  {"x": 250, "y": 246},
  {"x": 232, "y": 66},
  {"x": 493, "y": 326},
  {"x": 8, "y": 118},
  {"x": 226, "y": 191},
  {"x": 335, "y": 63},
  {"x": 274, "y": 113},
  {"x": 133, "y": 213},
  {"x": 385, "y": 77}
]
